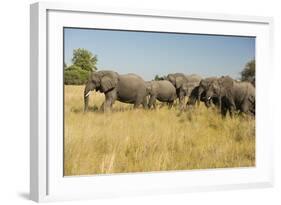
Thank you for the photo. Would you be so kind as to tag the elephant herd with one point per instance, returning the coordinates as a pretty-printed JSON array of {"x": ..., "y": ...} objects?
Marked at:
[{"x": 227, "y": 94}]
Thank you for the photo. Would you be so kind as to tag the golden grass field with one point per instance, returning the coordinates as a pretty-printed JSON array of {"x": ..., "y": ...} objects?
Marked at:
[{"x": 128, "y": 140}]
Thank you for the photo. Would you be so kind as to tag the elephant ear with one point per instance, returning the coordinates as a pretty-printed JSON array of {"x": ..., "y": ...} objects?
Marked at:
[
  {"x": 179, "y": 82},
  {"x": 185, "y": 87},
  {"x": 108, "y": 83},
  {"x": 216, "y": 85},
  {"x": 172, "y": 79},
  {"x": 226, "y": 84}
]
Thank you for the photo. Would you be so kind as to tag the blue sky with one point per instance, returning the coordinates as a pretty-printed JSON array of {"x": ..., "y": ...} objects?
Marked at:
[{"x": 151, "y": 53}]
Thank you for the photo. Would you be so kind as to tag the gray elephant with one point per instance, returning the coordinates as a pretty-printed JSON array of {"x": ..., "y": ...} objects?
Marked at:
[
  {"x": 203, "y": 87},
  {"x": 234, "y": 95},
  {"x": 129, "y": 88},
  {"x": 162, "y": 90},
  {"x": 179, "y": 81},
  {"x": 192, "y": 81},
  {"x": 183, "y": 84},
  {"x": 193, "y": 98}
]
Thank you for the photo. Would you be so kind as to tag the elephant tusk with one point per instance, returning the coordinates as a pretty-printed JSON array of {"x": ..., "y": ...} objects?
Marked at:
[
  {"x": 209, "y": 98},
  {"x": 88, "y": 93}
]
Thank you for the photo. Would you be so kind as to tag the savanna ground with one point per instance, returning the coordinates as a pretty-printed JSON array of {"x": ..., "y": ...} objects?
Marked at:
[{"x": 128, "y": 140}]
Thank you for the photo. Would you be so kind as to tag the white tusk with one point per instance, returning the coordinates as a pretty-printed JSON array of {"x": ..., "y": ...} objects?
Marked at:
[
  {"x": 87, "y": 94},
  {"x": 209, "y": 98}
]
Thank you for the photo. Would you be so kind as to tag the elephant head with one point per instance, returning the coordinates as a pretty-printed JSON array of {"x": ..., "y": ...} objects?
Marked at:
[
  {"x": 204, "y": 86},
  {"x": 148, "y": 86},
  {"x": 220, "y": 87},
  {"x": 193, "y": 97},
  {"x": 102, "y": 81},
  {"x": 177, "y": 79}
]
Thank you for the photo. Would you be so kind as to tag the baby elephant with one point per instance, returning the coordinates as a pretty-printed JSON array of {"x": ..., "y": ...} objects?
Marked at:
[{"x": 162, "y": 90}]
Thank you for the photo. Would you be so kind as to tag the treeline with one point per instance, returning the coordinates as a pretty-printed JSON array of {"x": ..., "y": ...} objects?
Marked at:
[
  {"x": 84, "y": 62},
  {"x": 248, "y": 73}
]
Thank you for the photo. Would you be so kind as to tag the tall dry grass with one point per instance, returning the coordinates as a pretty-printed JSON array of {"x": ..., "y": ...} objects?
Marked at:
[{"x": 128, "y": 140}]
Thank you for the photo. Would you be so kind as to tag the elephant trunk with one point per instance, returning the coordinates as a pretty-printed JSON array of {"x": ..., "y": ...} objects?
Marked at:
[
  {"x": 87, "y": 91},
  {"x": 200, "y": 91},
  {"x": 86, "y": 102}
]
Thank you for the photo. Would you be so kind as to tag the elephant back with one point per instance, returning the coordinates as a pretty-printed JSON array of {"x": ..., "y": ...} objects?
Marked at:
[
  {"x": 165, "y": 85},
  {"x": 132, "y": 82}
]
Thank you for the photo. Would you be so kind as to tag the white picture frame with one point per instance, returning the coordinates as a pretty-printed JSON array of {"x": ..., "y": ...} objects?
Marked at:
[{"x": 47, "y": 182}]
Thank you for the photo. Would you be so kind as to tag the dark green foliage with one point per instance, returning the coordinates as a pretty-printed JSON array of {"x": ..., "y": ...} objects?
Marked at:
[
  {"x": 74, "y": 75},
  {"x": 84, "y": 62},
  {"x": 248, "y": 73},
  {"x": 84, "y": 59},
  {"x": 73, "y": 67},
  {"x": 64, "y": 65},
  {"x": 157, "y": 77}
]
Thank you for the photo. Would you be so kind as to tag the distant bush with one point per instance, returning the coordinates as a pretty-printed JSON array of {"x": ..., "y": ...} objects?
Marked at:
[
  {"x": 84, "y": 62},
  {"x": 157, "y": 77},
  {"x": 74, "y": 75},
  {"x": 248, "y": 73},
  {"x": 84, "y": 59}
]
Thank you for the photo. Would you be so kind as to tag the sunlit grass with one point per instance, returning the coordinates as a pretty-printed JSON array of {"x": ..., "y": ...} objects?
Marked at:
[{"x": 128, "y": 140}]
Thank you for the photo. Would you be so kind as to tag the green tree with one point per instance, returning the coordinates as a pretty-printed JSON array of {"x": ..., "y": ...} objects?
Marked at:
[
  {"x": 157, "y": 77},
  {"x": 74, "y": 75},
  {"x": 84, "y": 59},
  {"x": 248, "y": 73},
  {"x": 64, "y": 65}
]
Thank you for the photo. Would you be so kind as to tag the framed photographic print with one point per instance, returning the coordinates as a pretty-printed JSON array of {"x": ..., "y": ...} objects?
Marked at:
[{"x": 130, "y": 102}]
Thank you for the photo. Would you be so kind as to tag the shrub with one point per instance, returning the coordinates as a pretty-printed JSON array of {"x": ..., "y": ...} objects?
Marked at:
[
  {"x": 74, "y": 75},
  {"x": 84, "y": 59},
  {"x": 248, "y": 73}
]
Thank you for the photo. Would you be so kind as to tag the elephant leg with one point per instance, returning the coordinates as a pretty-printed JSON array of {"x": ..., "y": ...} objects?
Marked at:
[
  {"x": 102, "y": 106},
  {"x": 245, "y": 108},
  {"x": 197, "y": 102},
  {"x": 182, "y": 105},
  {"x": 152, "y": 101},
  {"x": 232, "y": 104},
  {"x": 223, "y": 111},
  {"x": 170, "y": 104},
  {"x": 138, "y": 102},
  {"x": 231, "y": 111},
  {"x": 144, "y": 102},
  {"x": 107, "y": 105},
  {"x": 110, "y": 98},
  {"x": 200, "y": 95},
  {"x": 232, "y": 107},
  {"x": 208, "y": 103},
  {"x": 154, "y": 105},
  {"x": 220, "y": 103},
  {"x": 181, "y": 100}
]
